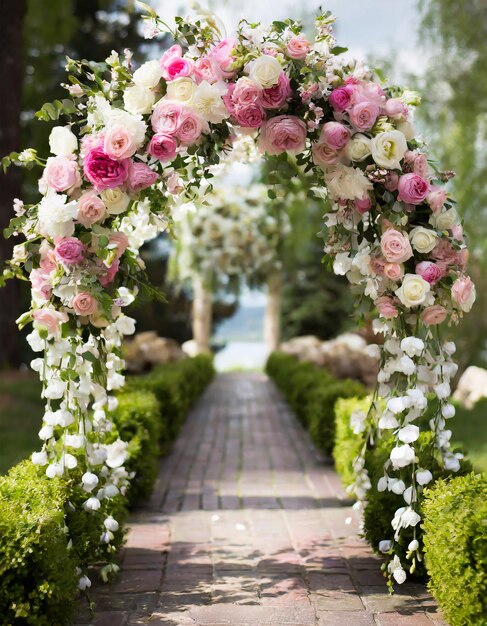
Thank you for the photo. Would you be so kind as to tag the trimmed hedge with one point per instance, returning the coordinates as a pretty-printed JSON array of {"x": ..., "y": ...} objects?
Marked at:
[
  {"x": 455, "y": 543},
  {"x": 45, "y": 534},
  {"x": 312, "y": 393}
]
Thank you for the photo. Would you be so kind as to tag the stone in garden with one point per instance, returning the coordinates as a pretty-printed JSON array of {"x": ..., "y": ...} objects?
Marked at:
[
  {"x": 472, "y": 386},
  {"x": 147, "y": 348}
]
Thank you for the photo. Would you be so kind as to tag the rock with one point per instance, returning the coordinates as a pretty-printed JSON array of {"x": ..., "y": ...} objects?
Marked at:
[
  {"x": 190, "y": 348},
  {"x": 471, "y": 387},
  {"x": 147, "y": 349}
]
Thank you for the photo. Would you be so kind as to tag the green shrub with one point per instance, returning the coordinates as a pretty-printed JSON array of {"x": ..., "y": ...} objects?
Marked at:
[
  {"x": 37, "y": 571},
  {"x": 455, "y": 543},
  {"x": 319, "y": 409}
]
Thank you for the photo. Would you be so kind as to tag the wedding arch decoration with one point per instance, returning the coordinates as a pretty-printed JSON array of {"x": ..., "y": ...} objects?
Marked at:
[{"x": 135, "y": 144}]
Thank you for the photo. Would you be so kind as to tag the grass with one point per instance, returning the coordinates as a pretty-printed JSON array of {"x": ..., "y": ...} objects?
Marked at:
[
  {"x": 469, "y": 426},
  {"x": 21, "y": 411}
]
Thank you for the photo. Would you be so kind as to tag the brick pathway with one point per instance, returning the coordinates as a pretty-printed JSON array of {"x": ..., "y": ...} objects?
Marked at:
[{"x": 247, "y": 526}]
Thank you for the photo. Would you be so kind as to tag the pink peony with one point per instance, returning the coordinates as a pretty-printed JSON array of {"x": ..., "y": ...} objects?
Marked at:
[
  {"x": 395, "y": 246},
  {"x": 250, "y": 115},
  {"x": 362, "y": 205},
  {"x": 418, "y": 163},
  {"x": 61, "y": 174},
  {"x": 377, "y": 265},
  {"x": 118, "y": 143},
  {"x": 41, "y": 283},
  {"x": 436, "y": 198},
  {"x": 174, "y": 65},
  {"x": 463, "y": 293},
  {"x": 246, "y": 91},
  {"x": 70, "y": 251},
  {"x": 121, "y": 242},
  {"x": 430, "y": 272},
  {"x": 140, "y": 177},
  {"x": 190, "y": 128},
  {"x": 276, "y": 97},
  {"x": 221, "y": 54},
  {"x": 104, "y": 172},
  {"x": 109, "y": 276},
  {"x": 165, "y": 117},
  {"x": 298, "y": 47},
  {"x": 395, "y": 108},
  {"x": 363, "y": 115},
  {"x": 340, "y": 98},
  {"x": 50, "y": 319},
  {"x": 207, "y": 69},
  {"x": 413, "y": 189},
  {"x": 91, "y": 208},
  {"x": 84, "y": 303},
  {"x": 394, "y": 271},
  {"x": 283, "y": 133},
  {"x": 372, "y": 92},
  {"x": 324, "y": 156},
  {"x": 174, "y": 183},
  {"x": 444, "y": 254},
  {"x": 432, "y": 315},
  {"x": 386, "y": 307},
  {"x": 162, "y": 147},
  {"x": 336, "y": 135}
]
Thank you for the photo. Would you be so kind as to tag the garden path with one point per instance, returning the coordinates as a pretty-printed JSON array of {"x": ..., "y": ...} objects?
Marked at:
[{"x": 247, "y": 526}]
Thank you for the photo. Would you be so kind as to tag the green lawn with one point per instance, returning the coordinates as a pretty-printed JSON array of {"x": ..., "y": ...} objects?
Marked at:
[
  {"x": 20, "y": 418},
  {"x": 470, "y": 428}
]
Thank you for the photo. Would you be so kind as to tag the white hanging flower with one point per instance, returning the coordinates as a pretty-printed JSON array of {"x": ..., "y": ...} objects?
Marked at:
[
  {"x": 401, "y": 456},
  {"x": 385, "y": 545},
  {"x": 116, "y": 453},
  {"x": 84, "y": 583},
  {"x": 111, "y": 524},
  {"x": 39, "y": 458},
  {"x": 423, "y": 477},
  {"x": 408, "y": 433},
  {"x": 412, "y": 346},
  {"x": 92, "y": 504},
  {"x": 89, "y": 481}
]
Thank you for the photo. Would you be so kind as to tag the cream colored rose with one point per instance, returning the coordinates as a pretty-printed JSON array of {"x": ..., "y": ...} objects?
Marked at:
[
  {"x": 148, "y": 75},
  {"x": 62, "y": 141},
  {"x": 265, "y": 71},
  {"x": 358, "y": 148},
  {"x": 407, "y": 129},
  {"x": 181, "y": 89},
  {"x": 388, "y": 149},
  {"x": 347, "y": 183},
  {"x": 423, "y": 239},
  {"x": 115, "y": 200},
  {"x": 413, "y": 290},
  {"x": 138, "y": 100},
  {"x": 445, "y": 220}
]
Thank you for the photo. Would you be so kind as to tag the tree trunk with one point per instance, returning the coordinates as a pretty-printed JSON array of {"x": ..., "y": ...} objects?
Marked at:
[
  {"x": 11, "y": 77},
  {"x": 272, "y": 319},
  {"x": 202, "y": 315}
]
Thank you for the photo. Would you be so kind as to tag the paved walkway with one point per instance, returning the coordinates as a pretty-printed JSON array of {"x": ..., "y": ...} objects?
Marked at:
[{"x": 247, "y": 527}]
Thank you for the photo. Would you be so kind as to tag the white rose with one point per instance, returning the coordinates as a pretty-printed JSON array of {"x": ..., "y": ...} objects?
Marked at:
[
  {"x": 138, "y": 100},
  {"x": 115, "y": 200},
  {"x": 207, "y": 101},
  {"x": 148, "y": 75},
  {"x": 423, "y": 239},
  {"x": 388, "y": 149},
  {"x": 413, "y": 290},
  {"x": 358, "y": 148},
  {"x": 62, "y": 141},
  {"x": 401, "y": 456},
  {"x": 181, "y": 89},
  {"x": 56, "y": 217},
  {"x": 445, "y": 220},
  {"x": 265, "y": 71}
]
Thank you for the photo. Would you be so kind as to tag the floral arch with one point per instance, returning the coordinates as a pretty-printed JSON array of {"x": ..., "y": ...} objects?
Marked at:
[{"x": 134, "y": 145}]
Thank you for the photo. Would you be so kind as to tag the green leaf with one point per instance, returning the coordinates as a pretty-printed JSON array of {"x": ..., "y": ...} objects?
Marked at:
[{"x": 338, "y": 50}]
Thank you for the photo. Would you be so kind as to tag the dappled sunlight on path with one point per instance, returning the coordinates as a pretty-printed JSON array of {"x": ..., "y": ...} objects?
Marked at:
[{"x": 248, "y": 525}]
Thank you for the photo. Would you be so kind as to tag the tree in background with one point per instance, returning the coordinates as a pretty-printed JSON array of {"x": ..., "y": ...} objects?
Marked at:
[{"x": 455, "y": 93}]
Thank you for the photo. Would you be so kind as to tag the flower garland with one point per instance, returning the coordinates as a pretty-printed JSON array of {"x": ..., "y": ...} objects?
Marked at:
[{"x": 135, "y": 144}]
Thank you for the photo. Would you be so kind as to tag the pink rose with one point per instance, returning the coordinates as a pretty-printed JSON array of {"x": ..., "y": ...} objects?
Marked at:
[
  {"x": 340, "y": 98},
  {"x": 336, "y": 135},
  {"x": 457, "y": 230},
  {"x": 70, "y": 251},
  {"x": 174, "y": 65},
  {"x": 432, "y": 315},
  {"x": 162, "y": 147},
  {"x": 463, "y": 293},
  {"x": 165, "y": 117},
  {"x": 430, "y": 272},
  {"x": 50, "y": 319},
  {"x": 48, "y": 258},
  {"x": 222, "y": 55},
  {"x": 283, "y": 133},
  {"x": 444, "y": 254},
  {"x": 104, "y": 172},
  {"x": 298, "y": 47},
  {"x": 418, "y": 163},
  {"x": 140, "y": 177},
  {"x": 276, "y": 97},
  {"x": 395, "y": 246},
  {"x": 41, "y": 283},
  {"x": 246, "y": 91},
  {"x": 190, "y": 128},
  {"x": 89, "y": 142},
  {"x": 363, "y": 115},
  {"x": 174, "y": 183},
  {"x": 324, "y": 156},
  {"x": 462, "y": 257},
  {"x": 436, "y": 198},
  {"x": 84, "y": 303},
  {"x": 386, "y": 307},
  {"x": 373, "y": 93},
  {"x": 228, "y": 99},
  {"x": 362, "y": 205},
  {"x": 109, "y": 276},
  {"x": 377, "y": 265},
  {"x": 394, "y": 271},
  {"x": 413, "y": 189},
  {"x": 120, "y": 241},
  {"x": 395, "y": 108},
  {"x": 61, "y": 174},
  {"x": 118, "y": 143},
  {"x": 207, "y": 69},
  {"x": 249, "y": 116},
  {"x": 391, "y": 181},
  {"x": 91, "y": 208}
]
